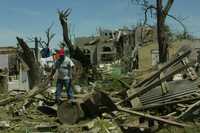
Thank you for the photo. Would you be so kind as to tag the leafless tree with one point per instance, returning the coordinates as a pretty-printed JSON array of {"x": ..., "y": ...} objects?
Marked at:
[
  {"x": 44, "y": 43},
  {"x": 27, "y": 55},
  {"x": 162, "y": 11},
  {"x": 75, "y": 52},
  {"x": 63, "y": 17}
]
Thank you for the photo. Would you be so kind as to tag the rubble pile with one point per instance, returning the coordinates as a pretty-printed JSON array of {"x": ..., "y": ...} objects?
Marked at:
[{"x": 111, "y": 104}]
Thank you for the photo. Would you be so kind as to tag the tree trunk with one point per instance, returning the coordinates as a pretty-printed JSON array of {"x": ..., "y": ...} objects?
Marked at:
[
  {"x": 34, "y": 73},
  {"x": 75, "y": 52},
  {"x": 162, "y": 42},
  {"x": 64, "y": 24},
  {"x": 36, "y": 48}
]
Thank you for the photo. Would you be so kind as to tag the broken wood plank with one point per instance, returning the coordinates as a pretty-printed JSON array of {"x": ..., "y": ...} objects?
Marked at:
[
  {"x": 164, "y": 86},
  {"x": 36, "y": 90},
  {"x": 190, "y": 70},
  {"x": 174, "y": 123},
  {"x": 156, "y": 74},
  {"x": 186, "y": 114},
  {"x": 127, "y": 86}
]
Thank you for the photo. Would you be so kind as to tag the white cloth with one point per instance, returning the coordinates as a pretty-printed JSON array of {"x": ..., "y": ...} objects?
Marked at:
[
  {"x": 47, "y": 61},
  {"x": 65, "y": 69}
]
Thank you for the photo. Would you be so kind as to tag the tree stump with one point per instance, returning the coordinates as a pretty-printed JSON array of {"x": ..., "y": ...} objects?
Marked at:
[
  {"x": 69, "y": 113},
  {"x": 89, "y": 107}
]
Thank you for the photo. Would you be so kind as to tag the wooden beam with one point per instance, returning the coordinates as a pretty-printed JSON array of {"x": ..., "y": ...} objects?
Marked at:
[
  {"x": 156, "y": 74},
  {"x": 174, "y": 123},
  {"x": 189, "y": 111}
]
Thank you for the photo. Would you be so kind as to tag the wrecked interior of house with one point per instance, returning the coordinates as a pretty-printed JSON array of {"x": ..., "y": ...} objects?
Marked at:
[{"x": 110, "y": 66}]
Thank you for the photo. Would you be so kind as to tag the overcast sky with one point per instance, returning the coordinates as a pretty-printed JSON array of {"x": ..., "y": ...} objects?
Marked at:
[{"x": 28, "y": 18}]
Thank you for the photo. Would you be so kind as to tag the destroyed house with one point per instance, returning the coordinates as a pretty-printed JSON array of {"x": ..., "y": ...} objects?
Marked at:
[
  {"x": 108, "y": 46},
  {"x": 99, "y": 49}
]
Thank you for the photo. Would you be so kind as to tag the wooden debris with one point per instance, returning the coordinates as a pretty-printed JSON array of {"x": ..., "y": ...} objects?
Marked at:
[
  {"x": 144, "y": 89},
  {"x": 189, "y": 112},
  {"x": 4, "y": 124},
  {"x": 190, "y": 70},
  {"x": 153, "y": 117},
  {"x": 47, "y": 110},
  {"x": 43, "y": 127},
  {"x": 164, "y": 67}
]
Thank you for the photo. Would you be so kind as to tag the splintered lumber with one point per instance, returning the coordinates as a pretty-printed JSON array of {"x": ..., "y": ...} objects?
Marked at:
[
  {"x": 174, "y": 123},
  {"x": 186, "y": 114},
  {"x": 35, "y": 91},
  {"x": 71, "y": 113},
  {"x": 144, "y": 89},
  {"x": 127, "y": 86},
  {"x": 190, "y": 70},
  {"x": 7, "y": 100},
  {"x": 164, "y": 85},
  {"x": 156, "y": 74}
]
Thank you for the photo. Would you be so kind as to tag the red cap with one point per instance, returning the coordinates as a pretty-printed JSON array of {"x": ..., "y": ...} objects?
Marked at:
[{"x": 62, "y": 52}]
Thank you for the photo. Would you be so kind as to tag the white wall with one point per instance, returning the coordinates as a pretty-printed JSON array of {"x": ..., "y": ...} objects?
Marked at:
[{"x": 3, "y": 61}]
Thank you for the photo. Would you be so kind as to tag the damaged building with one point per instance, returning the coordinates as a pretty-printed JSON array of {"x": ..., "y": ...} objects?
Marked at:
[
  {"x": 107, "y": 46},
  {"x": 8, "y": 66},
  {"x": 149, "y": 56},
  {"x": 99, "y": 49},
  {"x": 8, "y": 59}
]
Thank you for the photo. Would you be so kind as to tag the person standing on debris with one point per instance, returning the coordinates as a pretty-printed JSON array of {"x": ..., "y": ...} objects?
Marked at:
[{"x": 64, "y": 66}]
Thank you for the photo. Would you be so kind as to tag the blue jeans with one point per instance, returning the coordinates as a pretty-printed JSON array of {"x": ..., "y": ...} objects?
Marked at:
[{"x": 67, "y": 84}]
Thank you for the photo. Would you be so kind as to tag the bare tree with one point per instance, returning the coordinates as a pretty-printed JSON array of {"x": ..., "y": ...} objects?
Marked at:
[
  {"x": 49, "y": 36},
  {"x": 27, "y": 55},
  {"x": 63, "y": 17},
  {"x": 162, "y": 11},
  {"x": 44, "y": 43},
  {"x": 75, "y": 52}
]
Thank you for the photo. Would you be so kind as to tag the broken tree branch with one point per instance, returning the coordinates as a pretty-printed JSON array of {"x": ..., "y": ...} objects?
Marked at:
[
  {"x": 167, "y": 8},
  {"x": 49, "y": 35}
]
